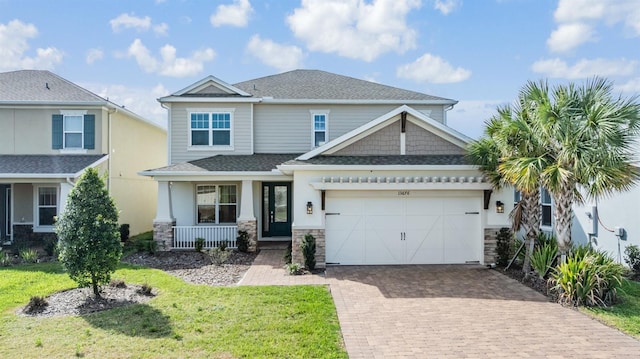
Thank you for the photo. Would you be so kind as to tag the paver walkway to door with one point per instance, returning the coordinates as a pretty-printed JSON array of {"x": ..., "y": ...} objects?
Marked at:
[{"x": 449, "y": 311}]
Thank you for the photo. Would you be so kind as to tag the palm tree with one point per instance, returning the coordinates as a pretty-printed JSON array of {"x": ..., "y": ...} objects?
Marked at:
[
  {"x": 588, "y": 135},
  {"x": 506, "y": 139}
]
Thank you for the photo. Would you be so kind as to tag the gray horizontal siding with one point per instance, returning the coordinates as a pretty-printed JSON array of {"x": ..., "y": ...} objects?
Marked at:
[
  {"x": 288, "y": 128},
  {"x": 241, "y": 125}
]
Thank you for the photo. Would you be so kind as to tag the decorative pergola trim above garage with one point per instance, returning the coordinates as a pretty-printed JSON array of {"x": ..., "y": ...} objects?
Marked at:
[{"x": 395, "y": 183}]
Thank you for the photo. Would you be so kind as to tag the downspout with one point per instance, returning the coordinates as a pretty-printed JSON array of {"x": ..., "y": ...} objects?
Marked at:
[
  {"x": 444, "y": 117},
  {"x": 168, "y": 108},
  {"x": 109, "y": 149}
]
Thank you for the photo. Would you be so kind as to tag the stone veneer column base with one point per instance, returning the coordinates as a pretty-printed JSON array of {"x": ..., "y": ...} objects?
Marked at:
[
  {"x": 251, "y": 226},
  {"x": 490, "y": 244},
  {"x": 163, "y": 235},
  {"x": 297, "y": 236}
]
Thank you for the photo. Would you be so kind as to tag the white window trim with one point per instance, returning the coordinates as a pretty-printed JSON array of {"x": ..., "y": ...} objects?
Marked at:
[
  {"x": 64, "y": 114},
  {"x": 37, "y": 228},
  {"x": 217, "y": 186},
  {"x": 229, "y": 147},
  {"x": 313, "y": 127}
]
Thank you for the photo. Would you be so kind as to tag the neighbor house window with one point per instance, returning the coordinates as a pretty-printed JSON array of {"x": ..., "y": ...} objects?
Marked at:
[
  {"x": 545, "y": 202},
  {"x": 210, "y": 128},
  {"x": 73, "y": 130},
  {"x": 47, "y": 206},
  {"x": 216, "y": 204},
  {"x": 517, "y": 196},
  {"x": 320, "y": 119}
]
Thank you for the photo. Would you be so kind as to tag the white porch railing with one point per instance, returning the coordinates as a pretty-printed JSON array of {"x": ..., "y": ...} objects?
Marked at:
[{"x": 184, "y": 237}]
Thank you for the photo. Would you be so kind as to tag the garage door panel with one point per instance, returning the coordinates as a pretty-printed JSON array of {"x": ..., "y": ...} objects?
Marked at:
[
  {"x": 382, "y": 239},
  {"x": 435, "y": 228},
  {"x": 347, "y": 239}
]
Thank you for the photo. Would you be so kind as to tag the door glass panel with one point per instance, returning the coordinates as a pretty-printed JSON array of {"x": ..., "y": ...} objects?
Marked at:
[
  {"x": 8, "y": 211},
  {"x": 265, "y": 209},
  {"x": 280, "y": 204}
]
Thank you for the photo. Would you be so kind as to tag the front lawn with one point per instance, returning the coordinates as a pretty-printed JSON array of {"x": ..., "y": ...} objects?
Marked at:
[
  {"x": 624, "y": 316},
  {"x": 184, "y": 320}
]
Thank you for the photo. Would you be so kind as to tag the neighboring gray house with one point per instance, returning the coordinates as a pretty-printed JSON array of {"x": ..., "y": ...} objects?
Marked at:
[
  {"x": 51, "y": 130},
  {"x": 372, "y": 171}
]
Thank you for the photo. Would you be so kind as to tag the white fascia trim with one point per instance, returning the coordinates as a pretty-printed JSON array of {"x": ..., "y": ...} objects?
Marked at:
[
  {"x": 60, "y": 176},
  {"x": 371, "y": 124},
  {"x": 268, "y": 100},
  {"x": 94, "y": 164},
  {"x": 215, "y": 80},
  {"x": 210, "y": 99},
  {"x": 400, "y": 186},
  {"x": 289, "y": 168}
]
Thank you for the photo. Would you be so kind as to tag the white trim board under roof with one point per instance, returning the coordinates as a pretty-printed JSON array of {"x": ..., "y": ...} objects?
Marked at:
[{"x": 425, "y": 122}]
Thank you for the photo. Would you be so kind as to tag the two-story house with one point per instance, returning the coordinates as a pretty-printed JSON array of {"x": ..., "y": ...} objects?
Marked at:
[
  {"x": 51, "y": 130},
  {"x": 371, "y": 171}
]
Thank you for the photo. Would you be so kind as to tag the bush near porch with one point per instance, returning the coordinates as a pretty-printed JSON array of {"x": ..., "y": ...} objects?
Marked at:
[{"x": 195, "y": 320}]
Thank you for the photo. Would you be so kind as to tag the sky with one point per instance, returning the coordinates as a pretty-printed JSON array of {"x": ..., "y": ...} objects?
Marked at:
[{"x": 478, "y": 52}]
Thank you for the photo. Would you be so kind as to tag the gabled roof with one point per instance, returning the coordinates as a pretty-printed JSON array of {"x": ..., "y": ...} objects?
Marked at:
[
  {"x": 316, "y": 85},
  {"x": 436, "y": 127},
  {"x": 384, "y": 160},
  {"x": 260, "y": 162},
  {"x": 46, "y": 166},
  {"x": 41, "y": 86},
  {"x": 301, "y": 86}
]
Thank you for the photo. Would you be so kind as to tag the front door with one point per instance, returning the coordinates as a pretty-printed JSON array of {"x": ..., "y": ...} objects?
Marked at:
[
  {"x": 5, "y": 213},
  {"x": 276, "y": 209}
]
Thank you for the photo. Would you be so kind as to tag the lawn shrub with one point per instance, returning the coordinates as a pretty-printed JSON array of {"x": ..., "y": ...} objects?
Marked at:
[
  {"x": 308, "y": 247},
  {"x": 589, "y": 279},
  {"x": 36, "y": 305},
  {"x": 287, "y": 253},
  {"x": 219, "y": 255},
  {"x": 504, "y": 246},
  {"x": 117, "y": 283},
  {"x": 5, "y": 259},
  {"x": 29, "y": 255},
  {"x": 632, "y": 258},
  {"x": 199, "y": 244},
  {"x": 293, "y": 268},
  {"x": 145, "y": 289},
  {"x": 51, "y": 246},
  {"x": 242, "y": 241},
  {"x": 543, "y": 257}
]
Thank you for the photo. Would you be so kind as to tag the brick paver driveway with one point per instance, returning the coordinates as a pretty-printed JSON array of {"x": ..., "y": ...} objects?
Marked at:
[
  {"x": 461, "y": 312},
  {"x": 448, "y": 312}
]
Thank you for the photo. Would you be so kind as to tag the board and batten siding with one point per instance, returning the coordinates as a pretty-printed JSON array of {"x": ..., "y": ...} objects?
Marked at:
[
  {"x": 241, "y": 131},
  {"x": 288, "y": 128}
]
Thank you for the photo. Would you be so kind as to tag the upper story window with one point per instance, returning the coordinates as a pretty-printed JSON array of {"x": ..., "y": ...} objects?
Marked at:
[
  {"x": 320, "y": 119},
  {"x": 73, "y": 130},
  {"x": 210, "y": 128}
]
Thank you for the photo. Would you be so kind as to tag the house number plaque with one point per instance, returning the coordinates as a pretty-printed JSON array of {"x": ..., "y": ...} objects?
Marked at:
[{"x": 403, "y": 193}]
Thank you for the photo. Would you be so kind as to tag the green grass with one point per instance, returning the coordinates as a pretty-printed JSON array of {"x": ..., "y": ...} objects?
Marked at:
[
  {"x": 625, "y": 315},
  {"x": 184, "y": 320}
]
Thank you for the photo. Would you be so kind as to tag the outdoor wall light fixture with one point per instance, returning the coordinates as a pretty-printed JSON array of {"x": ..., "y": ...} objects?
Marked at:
[
  {"x": 499, "y": 207},
  {"x": 309, "y": 208}
]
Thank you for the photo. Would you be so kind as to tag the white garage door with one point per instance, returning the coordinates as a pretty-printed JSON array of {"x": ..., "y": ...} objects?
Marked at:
[{"x": 405, "y": 227}]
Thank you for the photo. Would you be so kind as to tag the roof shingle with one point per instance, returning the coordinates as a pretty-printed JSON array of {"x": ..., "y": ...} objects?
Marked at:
[
  {"x": 45, "y": 164},
  {"x": 26, "y": 86},
  {"x": 263, "y": 162}
]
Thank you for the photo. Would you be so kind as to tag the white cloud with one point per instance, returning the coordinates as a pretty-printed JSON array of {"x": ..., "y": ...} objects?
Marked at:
[
  {"x": 168, "y": 64},
  {"x": 584, "y": 68},
  {"x": 141, "y": 101},
  {"x": 354, "y": 28},
  {"x": 236, "y": 14},
  {"x": 433, "y": 69},
  {"x": 569, "y": 36},
  {"x": 94, "y": 55},
  {"x": 632, "y": 86},
  {"x": 446, "y": 6},
  {"x": 281, "y": 57},
  {"x": 126, "y": 21},
  {"x": 14, "y": 44},
  {"x": 577, "y": 19}
]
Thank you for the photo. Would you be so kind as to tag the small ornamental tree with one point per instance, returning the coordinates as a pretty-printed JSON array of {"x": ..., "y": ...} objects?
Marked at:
[{"x": 89, "y": 239}]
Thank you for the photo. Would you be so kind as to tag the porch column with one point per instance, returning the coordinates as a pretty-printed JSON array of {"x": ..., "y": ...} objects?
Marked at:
[
  {"x": 65, "y": 189},
  {"x": 164, "y": 221},
  {"x": 247, "y": 219}
]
